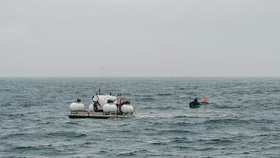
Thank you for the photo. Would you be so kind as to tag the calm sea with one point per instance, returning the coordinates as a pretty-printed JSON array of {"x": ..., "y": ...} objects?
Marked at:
[{"x": 242, "y": 119}]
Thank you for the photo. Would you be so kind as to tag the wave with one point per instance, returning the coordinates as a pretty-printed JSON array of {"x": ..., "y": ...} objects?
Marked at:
[
  {"x": 238, "y": 121},
  {"x": 189, "y": 116},
  {"x": 13, "y": 115},
  {"x": 180, "y": 141},
  {"x": 133, "y": 153},
  {"x": 66, "y": 134},
  {"x": 182, "y": 123},
  {"x": 15, "y": 136},
  {"x": 165, "y": 94},
  {"x": 227, "y": 107},
  {"x": 6, "y": 104},
  {"x": 37, "y": 147},
  {"x": 222, "y": 121},
  {"x": 147, "y": 99},
  {"x": 221, "y": 141}
]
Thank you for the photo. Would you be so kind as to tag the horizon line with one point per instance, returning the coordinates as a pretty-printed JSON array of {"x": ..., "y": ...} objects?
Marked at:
[{"x": 133, "y": 76}]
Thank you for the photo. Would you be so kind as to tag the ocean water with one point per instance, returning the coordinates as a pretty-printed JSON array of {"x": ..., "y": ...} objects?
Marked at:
[{"x": 242, "y": 119}]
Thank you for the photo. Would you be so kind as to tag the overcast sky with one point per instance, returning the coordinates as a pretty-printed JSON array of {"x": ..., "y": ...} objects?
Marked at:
[{"x": 47, "y": 38}]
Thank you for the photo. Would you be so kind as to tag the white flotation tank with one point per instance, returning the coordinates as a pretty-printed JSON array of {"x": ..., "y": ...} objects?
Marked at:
[
  {"x": 90, "y": 107},
  {"x": 109, "y": 108},
  {"x": 77, "y": 106},
  {"x": 127, "y": 108}
]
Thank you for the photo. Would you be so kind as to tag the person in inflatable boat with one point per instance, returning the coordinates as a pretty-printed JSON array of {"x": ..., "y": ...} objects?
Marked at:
[
  {"x": 204, "y": 101},
  {"x": 194, "y": 104}
]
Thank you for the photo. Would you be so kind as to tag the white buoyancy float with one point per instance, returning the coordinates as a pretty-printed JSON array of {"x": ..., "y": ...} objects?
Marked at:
[
  {"x": 90, "y": 107},
  {"x": 127, "y": 108},
  {"x": 77, "y": 106},
  {"x": 109, "y": 107}
]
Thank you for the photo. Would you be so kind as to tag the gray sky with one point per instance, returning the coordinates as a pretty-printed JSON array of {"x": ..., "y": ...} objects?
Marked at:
[{"x": 139, "y": 38}]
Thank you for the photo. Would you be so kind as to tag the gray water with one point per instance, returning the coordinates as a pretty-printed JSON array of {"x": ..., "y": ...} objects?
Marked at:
[{"x": 242, "y": 119}]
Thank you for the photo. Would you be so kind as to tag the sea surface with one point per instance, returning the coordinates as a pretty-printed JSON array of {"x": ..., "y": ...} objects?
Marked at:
[{"x": 242, "y": 119}]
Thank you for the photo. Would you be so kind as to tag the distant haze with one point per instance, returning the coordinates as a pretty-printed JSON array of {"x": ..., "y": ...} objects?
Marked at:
[{"x": 49, "y": 38}]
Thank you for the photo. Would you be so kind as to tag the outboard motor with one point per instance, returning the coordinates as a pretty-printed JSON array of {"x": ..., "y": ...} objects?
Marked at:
[
  {"x": 191, "y": 105},
  {"x": 194, "y": 104}
]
